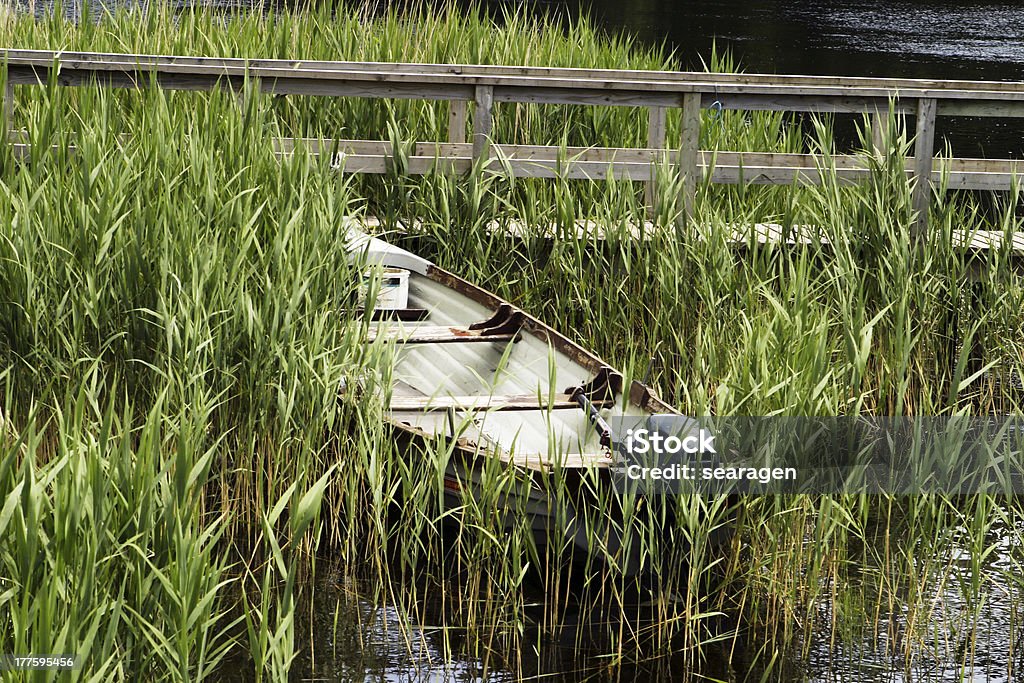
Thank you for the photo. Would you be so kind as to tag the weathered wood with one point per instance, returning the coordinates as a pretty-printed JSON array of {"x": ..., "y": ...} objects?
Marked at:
[
  {"x": 657, "y": 118},
  {"x": 486, "y": 84},
  {"x": 757, "y": 168},
  {"x": 457, "y": 112},
  {"x": 879, "y": 133},
  {"x": 402, "y": 314},
  {"x": 293, "y": 84},
  {"x": 436, "y": 334},
  {"x": 21, "y": 151},
  {"x": 496, "y": 402},
  {"x": 606, "y": 155},
  {"x": 483, "y": 119},
  {"x": 689, "y": 149},
  {"x": 8, "y": 104},
  {"x": 742, "y": 168},
  {"x": 924, "y": 149},
  {"x": 636, "y": 84},
  {"x": 45, "y": 57},
  {"x": 568, "y": 461},
  {"x": 781, "y": 100},
  {"x": 742, "y": 234}
]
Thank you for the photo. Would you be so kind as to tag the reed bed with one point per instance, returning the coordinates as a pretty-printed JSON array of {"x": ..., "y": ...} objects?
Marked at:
[{"x": 178, "y": 316}]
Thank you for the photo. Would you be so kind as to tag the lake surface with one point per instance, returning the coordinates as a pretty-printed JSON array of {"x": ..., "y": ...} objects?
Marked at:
[
  {"x": 907, "y": 38},
  {"x": 894, "y": 38},
  {"x": 343, "y": 636}
]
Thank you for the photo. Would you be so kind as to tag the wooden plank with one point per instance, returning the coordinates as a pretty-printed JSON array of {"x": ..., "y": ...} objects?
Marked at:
[
  {"x": 594, "y": 96},
  {"x": 765, "y": 233},
  {"x": 770, "y": 175},
  {"x": 606, "y": 155},
  {"x": 689, "y": 148},
  {"x": 758, "y": 168},
  {"x": 728, "y": 174},
  {"x": 991, "y": 99},
  {"x": 603, "y": 155},
  {"x": 8, "y": 104},
  {"x": 483, "y": 120},
  {"x": 457, "y": 112},
  {"x": 403, "y": 314},
  {"x": 848, "y": 103},
  {"x": 568, "y": 461},
  {"x": 924, "y": 150},
  {"x": 495, "y": 402},
  {"x": 657, "y": 119},
  {"x": 879, "y": 133},
  {"x": 614, "y": 81},
  {"x": 45, "y": 57},
  {"x": 292, "y": 84},
  {"x": 436, "y": 334},
  {"x": 653, "y": 83},
  {"x": 372, "y": 90},
  {"x": 416, "y": 165}
]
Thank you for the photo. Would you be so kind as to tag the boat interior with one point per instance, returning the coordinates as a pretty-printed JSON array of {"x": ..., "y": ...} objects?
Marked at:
[{"x": 470, "y": 366}]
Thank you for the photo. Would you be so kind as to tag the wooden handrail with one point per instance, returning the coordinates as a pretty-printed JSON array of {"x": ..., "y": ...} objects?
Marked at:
[
  {"x": 480, "y": 86},
  {"x": 521, "y": 76}
]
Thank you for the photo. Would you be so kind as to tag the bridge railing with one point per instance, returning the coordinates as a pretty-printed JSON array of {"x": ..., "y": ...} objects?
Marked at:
[{"x": 473, "y": 90}]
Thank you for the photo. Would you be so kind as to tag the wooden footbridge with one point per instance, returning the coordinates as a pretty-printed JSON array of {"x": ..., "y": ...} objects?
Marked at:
[{"x": 472, "y": 91}]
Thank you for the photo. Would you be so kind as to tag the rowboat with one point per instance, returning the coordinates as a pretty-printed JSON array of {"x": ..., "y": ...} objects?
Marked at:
[{"x": 475, "y": 371}]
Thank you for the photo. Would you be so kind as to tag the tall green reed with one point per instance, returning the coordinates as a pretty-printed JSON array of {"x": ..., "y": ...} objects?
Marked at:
[{"x": 189, "y": 295}]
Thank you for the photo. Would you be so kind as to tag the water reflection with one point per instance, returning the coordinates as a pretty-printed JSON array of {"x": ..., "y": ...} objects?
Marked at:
[
  {"x": 912, "y": 38},
  {"x": 956, "y": 633}
]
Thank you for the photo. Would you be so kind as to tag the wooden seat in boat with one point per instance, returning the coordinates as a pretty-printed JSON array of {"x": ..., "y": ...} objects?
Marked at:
[
  {"x": 438, "y": 334},
  {"x": 402, "y": 314},
  {"x": 495, "y": 402},
  {"x": 504, "y": 325}
]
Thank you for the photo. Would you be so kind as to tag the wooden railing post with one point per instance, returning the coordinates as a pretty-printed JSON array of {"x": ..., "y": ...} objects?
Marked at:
[
  {"x": 242, "y": 91},
  {"x": 879, "y": 133},
  {"x": 924, "y": 150},
  {"x": 655, "y": 140},
  {"x": 482, "y": 120},
  {"x": 689, "y": 150},
  {"x": 8, "y": 107},
  {"x": 457, "y": 110}
]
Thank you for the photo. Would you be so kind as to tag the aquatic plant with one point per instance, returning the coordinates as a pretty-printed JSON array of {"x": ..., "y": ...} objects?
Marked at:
[{"x": 177, "y": 317}]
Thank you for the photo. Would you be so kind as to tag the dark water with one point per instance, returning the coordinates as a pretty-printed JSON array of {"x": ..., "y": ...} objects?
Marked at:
[
  {"x": 905, "y": 38},
  {"x": 894, "y": 38},
  {"x": 342, "y": 635}
]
